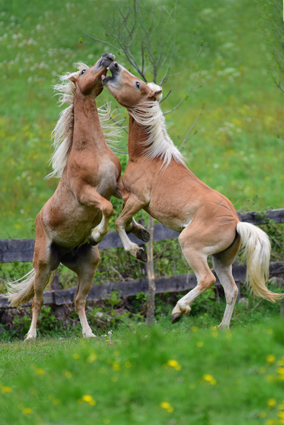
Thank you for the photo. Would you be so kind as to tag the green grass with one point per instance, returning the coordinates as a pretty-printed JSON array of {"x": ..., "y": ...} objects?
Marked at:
[
  {"x": 216, "y": 377},
  {"x": 236, "y": 149}
]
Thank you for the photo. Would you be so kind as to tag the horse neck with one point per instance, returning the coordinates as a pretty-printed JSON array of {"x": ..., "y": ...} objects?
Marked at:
[
  {"x": 136, "y": 137},
  {"x": 87, "y": 132}
]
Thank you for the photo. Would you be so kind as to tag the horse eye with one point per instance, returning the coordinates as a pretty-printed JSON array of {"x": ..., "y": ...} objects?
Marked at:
[
  {"x": 83, "y": 71},
  {"x": 138, "y": 84}
]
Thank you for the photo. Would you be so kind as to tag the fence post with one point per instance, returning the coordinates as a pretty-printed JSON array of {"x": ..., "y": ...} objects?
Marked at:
[{"x": 151, "y": 275}]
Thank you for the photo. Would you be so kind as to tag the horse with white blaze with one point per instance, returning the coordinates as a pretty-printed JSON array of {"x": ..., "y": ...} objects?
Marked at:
[{"x": 157, "y": 180}]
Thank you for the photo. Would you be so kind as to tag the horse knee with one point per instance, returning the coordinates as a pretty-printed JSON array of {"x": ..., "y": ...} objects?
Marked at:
[
  {"x": 206, "y": 282},
  {"x": 108, "y": 209},
  {"x": 231, "y": 295}
]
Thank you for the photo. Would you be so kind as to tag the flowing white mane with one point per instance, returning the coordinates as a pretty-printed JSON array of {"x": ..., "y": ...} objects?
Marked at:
[
  {"x": 150, "y": 116},
  {"x": 63, "y": 131}
]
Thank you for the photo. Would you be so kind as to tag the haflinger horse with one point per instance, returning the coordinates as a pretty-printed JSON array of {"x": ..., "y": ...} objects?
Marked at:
[
  {"x": 157, "y": 180},
  {"x": 76, "y": 217}
]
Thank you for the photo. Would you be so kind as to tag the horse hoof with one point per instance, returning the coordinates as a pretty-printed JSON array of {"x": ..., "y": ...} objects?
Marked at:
[
  {"x": 176, "y": 318},
  {"x": 92, "y": 241},
  {"x": 141, "y": 255},
  {"x": 144, "y": 235}
]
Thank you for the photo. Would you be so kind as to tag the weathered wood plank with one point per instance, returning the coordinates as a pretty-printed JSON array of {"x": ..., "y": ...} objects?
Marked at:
[
  {"x": 23, "y": 249},
  {"x": 164, "y": 284}
]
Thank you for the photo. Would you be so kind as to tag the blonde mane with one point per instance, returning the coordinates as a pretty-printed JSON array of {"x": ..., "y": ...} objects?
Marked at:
[
  {"x": 159, "y": 143},
  {"x": 63, "y": 131}
]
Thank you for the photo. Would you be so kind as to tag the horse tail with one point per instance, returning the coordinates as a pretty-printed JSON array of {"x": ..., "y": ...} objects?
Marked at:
[
  {"x": 22, "y": 290},
  {"x": 257, "y": 248}
]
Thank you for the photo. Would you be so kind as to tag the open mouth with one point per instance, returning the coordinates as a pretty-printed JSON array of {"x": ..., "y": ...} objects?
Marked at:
[{"x": 114, "y": 67}]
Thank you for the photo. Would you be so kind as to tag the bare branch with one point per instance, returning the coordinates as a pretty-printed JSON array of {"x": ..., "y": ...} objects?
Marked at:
[
  {"x": 187, "y": 69},
  {"x": 164, "y": 98},
  {"x": 101, "y": 41},
  {"x": 189, "y": 131},
  {"x": 184, "y": 97}
]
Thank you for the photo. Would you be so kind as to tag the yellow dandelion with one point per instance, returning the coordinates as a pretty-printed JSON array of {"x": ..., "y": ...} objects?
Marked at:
[
  {"x": 107, "y": 340},
  {"x": 194, "y": 328},
  {"x": 127, "y": 363},
  {"x": 56, "y": 401},
  {"x": 280, "y": 370},
  {"x": 270, "y": 331},
  {"x": 270, "y": 422},
  {"x": 92, "y": 358},
  {"x": 67, "y": 374},
  {"x": 116, "y": 366},
  {"x": 270, "y": 359},
  {"x": 280, "y": 415},
  {"x": 76, "y": 356},
  {"x": 114, "y": 379},
  {"x": 281, "y": 406},
  {"x": 228, "y": 335},
  {"x": 27, "y": 411},
  {"x": 106, "y": 421},
  {"x": 214, "y": 334},
  {"x": 209, "y": 379},
  {"x": 165, "y": 405},
  {"x": 200, "y": 344},
  {"x": 40, "y": 372},
  {"x": 174, "y": 364},
  {"x": 6, "y": 390},
  {"x": 87, "y": 398},
  {"x": 271, "y": 402}
]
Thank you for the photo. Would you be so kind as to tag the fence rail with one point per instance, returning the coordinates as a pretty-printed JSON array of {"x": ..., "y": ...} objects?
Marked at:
[
  {"x": 176, "y": 283},
  {"x": 22, "y": 250}
]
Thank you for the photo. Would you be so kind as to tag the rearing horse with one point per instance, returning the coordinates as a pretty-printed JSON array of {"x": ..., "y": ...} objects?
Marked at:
[
  {"x": 76, "y": 217},
  {"x": 157, "y": 180}
]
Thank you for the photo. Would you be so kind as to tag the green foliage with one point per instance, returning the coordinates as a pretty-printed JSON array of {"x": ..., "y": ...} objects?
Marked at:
[
  {"x": 236, "y": 149},
  {"x": 159, "y": 375}
]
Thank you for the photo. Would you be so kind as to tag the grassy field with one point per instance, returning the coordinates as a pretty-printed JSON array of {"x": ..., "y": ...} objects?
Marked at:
[
  {"x": 236, "y": 149},
  {"x": 156, "y": 376}
]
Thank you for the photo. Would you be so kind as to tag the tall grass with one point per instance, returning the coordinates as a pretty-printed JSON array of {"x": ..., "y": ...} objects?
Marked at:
[{"x": 236, "y": 149}]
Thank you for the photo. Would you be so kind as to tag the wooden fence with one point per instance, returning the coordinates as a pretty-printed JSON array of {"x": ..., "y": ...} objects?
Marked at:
[{"x": 22, "y": 250}]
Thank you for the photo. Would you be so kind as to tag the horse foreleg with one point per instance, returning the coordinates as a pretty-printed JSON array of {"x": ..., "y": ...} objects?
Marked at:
[
  {"x": 131, "y": 207},
  {"x": 131, "y": 226},
  {"x": 89, "y": 196}
]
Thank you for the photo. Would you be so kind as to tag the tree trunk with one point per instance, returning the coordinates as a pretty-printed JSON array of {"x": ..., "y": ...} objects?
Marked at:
[{"x": 151, "y": 275}]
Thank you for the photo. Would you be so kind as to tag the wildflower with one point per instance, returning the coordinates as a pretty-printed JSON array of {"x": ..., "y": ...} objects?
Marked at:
[
  {"x": 165, "y": 405},
  {"x": 116, "y": 366},
  {"x": 194, "y": 328},
  {"x": 174, "y": 364},
  {"x": 92, "y": 358},
  {"x": 40, "y": 372},
  {"x": 106, "y": 421},
  {"x": 27, "y": 411},
  {"x": 107, "y": 340},
  {"x": 68, "y": 374},
  {"x": 114, "y": 379},
  {"x": 209, "y": 379},
  {"x": 76, "y": 356},
  {"x": 270, "y": 359},
  {"x": 6, "y": 390},
  {"x": 280, "y": 415},
  {"x": 271, "y": 402},
  {"x": 214, "y": 334},
  {"x": 270, "y": 331},
  {"x": 88, "y": 399},
  {"x": 200, "y": 344}
]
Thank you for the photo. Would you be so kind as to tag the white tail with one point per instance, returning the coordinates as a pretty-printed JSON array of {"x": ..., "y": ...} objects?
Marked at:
[
  {"x": 256, "y": 246},
  {"x": 22, "y": 290}
]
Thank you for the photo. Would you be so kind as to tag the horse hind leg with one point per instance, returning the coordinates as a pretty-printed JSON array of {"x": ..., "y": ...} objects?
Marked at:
[
  {"x": 197, "y": 260},
  {"x": 222, "y": 264},
  {"x": 84, "y": 264}
]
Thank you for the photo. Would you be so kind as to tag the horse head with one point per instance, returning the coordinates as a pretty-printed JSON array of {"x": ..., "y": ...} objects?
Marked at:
[
  {"x": 129, "y": 90},
  {"x": 89, "y": 80}
]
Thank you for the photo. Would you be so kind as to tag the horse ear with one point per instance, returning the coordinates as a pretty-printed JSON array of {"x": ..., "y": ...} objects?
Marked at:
[
  {"x": 72, "y": 77},
  {"x": 157, "y": 95}
]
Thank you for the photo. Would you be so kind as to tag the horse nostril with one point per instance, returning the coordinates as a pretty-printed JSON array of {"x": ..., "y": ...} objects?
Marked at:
[{"x": 115, "y": 65}]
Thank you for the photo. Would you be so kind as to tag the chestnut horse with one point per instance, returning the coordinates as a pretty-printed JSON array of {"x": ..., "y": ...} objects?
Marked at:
[
  {"x": 76, "y": 217},
  {"x": 157, "y": 180}
]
